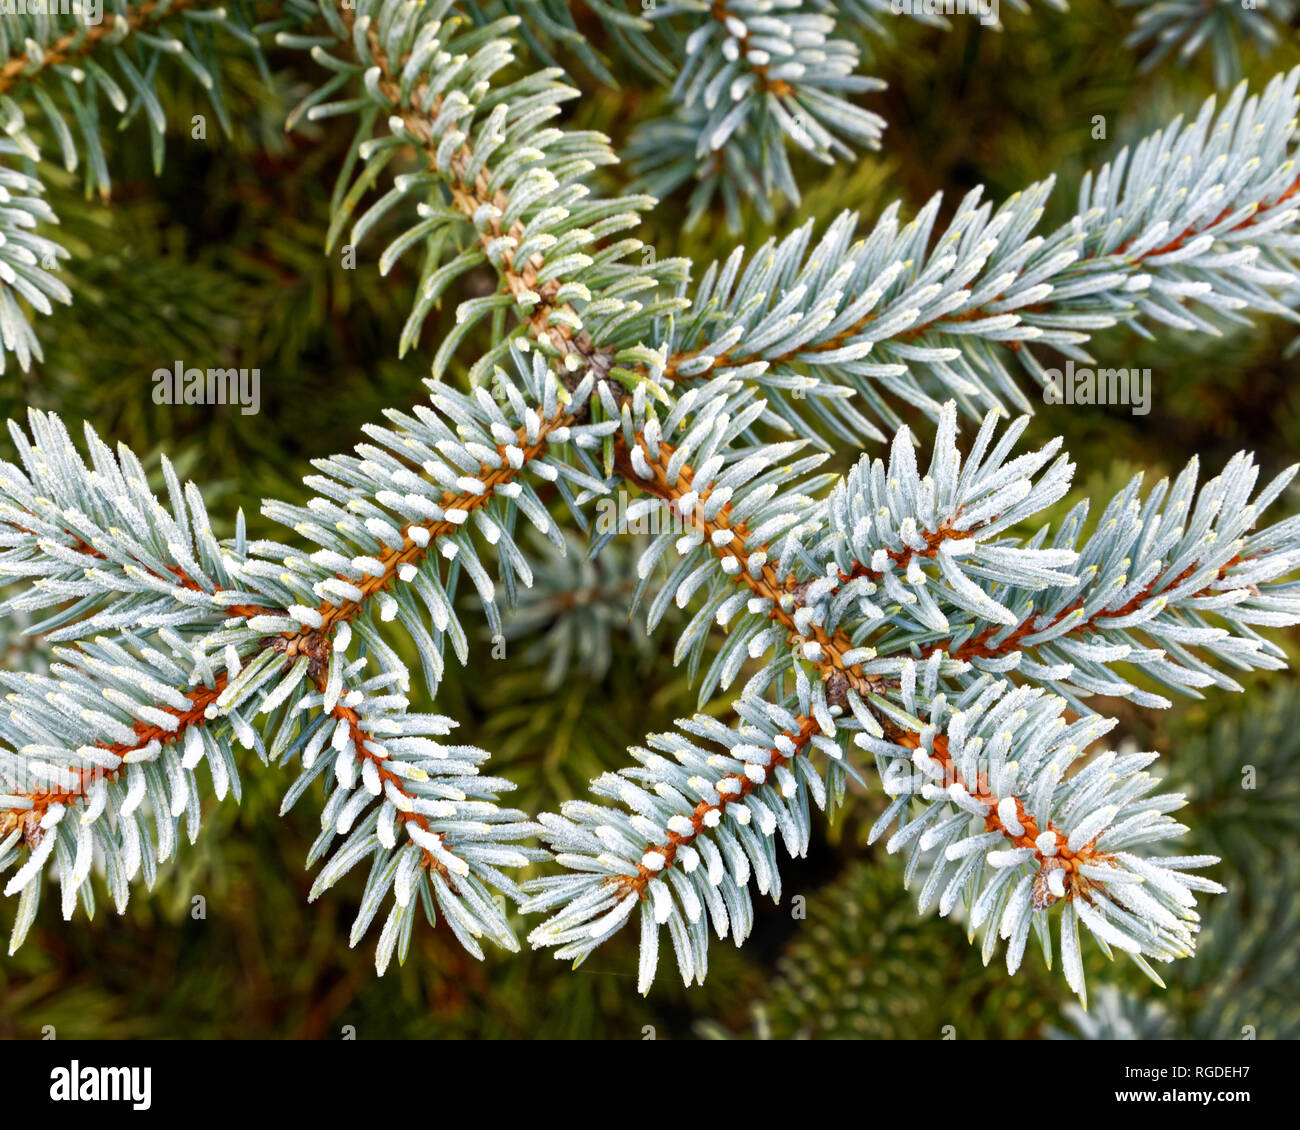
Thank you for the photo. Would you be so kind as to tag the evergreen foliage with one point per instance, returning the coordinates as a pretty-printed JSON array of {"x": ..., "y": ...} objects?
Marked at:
[
  {"x": 1186, "y": 27},
  {"x": 931, "y": 612}
]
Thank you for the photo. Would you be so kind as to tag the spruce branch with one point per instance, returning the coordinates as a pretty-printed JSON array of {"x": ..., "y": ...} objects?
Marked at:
[
  {"x": 1238, "y": 775},
  {"x": 1158, "y": 582},
  {"x": 1001, "y": 807},
  {"x": 764, "y": 75},
  {"x": 1182, "y": 29},
  {"x": 1202, "y": 213},
  {"x": 494, "y": 174},
  {"x": 708, "y": 811},
  {"x": 134, "y": 710},
  {"x": 133, "y": 39},
  {"x": 62, "y": 37},
  {"x": 95, "y": 541},
  {"x": 890, "y": 610},
  {"x": 1198, "y": 213},
  {"x": 742, "y": 557},
  {"x": 1001, "y": 798},
  {"x": 390, "y": 774}
]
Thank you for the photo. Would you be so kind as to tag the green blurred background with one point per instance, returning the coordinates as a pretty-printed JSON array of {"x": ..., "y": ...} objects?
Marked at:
[{"x": 219, "y": 263}]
